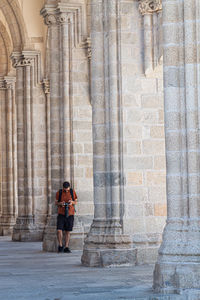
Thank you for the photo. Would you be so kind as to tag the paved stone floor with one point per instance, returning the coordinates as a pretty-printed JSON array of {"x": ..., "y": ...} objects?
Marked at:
[{"x": 26, "y": 272}]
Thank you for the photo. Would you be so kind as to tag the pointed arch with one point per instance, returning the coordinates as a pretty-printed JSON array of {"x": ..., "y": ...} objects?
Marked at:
[
  {"x": 7, "y": 49},
  {"x": 16, "y": 24}
]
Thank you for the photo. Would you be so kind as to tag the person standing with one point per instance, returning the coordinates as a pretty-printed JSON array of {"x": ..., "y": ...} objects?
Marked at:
[{"x": 66, "y": 199}]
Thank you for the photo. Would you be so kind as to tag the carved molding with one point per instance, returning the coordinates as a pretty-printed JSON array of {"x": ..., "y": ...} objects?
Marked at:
[
  {"x": 149, "y": 6},
  {"x": 22, "y": 62},
  {"x": 64, "y": 13}
]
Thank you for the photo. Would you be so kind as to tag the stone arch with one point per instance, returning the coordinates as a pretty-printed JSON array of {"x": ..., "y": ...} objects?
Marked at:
[
  {"x": 6, "y": 47},
  {"x": 16, "y": 24}
]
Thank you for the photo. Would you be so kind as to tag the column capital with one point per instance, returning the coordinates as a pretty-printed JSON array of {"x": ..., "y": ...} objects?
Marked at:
[
  {"x": 28, "y": 58},
  {"x": 46, "y": 86},
  {"x": 50, "y": 19},
  {"x": 7, "y": 83},
  {"x": 61, "y": 13},
  {"x": 149, "y": 6},
  {"x": 88, "y": 47},
  {"x": 10, "y": 82},
  {"x": 2, "y": 84}
]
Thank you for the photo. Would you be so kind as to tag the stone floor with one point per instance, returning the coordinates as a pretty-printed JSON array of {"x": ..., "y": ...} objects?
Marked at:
[{"x": 26, "y": 272}]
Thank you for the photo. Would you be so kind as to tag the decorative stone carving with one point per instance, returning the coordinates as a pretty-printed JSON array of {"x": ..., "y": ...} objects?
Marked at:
[
  {"x": 2, "y": 84},
  {"x": 89, "y": 48},
  {"x": 22, "y": 62},
  {"x": 46, "y": 86},
  {"x": 150, "y": 6},
  {"x": 50, "y": 19},
  {"x": 62, "y": 18}
]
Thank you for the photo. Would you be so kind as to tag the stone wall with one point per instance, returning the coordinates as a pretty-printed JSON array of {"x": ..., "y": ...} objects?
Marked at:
[
  {"x": 144, "y": 145},
  {"x": 64, "y": 151}
]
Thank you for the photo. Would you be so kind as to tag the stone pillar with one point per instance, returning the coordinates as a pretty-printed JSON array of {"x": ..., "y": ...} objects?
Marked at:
[
  {"x": 8, "y": 159},
  {"x": 178, "y": 267},
  {"x": 150, "y": 10},
  {"x": 106, "y": 244},
  {"x": 27, "y": 76},
  {"x": 46, "y": 87},
  {"x": 60, "y": 21}
]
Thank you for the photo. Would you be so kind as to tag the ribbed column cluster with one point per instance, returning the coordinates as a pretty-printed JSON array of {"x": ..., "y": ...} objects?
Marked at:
[
  {"x": 179, "y": 254},
  {"x": 106, "y": 244},
  {"x": 8, "y": 162},
  {"x": 26, "y": 80}
]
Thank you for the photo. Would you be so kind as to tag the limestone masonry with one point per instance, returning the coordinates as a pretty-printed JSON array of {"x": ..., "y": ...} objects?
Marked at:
[{"x": 82, "y": 99}]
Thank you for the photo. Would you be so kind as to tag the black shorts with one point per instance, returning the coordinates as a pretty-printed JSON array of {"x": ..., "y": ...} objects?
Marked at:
[{"x": 64, "y": 223}]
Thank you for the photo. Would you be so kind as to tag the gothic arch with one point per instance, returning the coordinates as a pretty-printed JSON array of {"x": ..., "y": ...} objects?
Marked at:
[
  {"x": 17, "y": 27},
  {"x": 6, "y": 48}
]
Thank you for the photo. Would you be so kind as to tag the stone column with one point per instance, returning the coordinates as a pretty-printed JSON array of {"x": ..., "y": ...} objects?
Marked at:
[
  {"x": 60, "y": 21},
  {"x": 27, "y": 76},
  {"x": 8, "y": 161},
  {"x": 1, "y": 149},
  {"x": 46, "y": 87},
  {"x": 149, "y": 10},
  {"x": 178, "y": 267},
  {"x": 106, "y": 244}
]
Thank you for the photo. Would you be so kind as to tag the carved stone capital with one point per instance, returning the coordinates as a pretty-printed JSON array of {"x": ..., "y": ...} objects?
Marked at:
[
  {"x": 149, "y": 6},
  {"x": 7, "y": 83},
  {"x": 46, "y": 86},
  {"x": 89, "y": 48},
  {"x": 21, "y": 60},
  {"x": 50, "y": 19},
  {"x": 10, "y": 82},
  {"x": 62, "y": 18},
  {"x": 2, "y": 84}
]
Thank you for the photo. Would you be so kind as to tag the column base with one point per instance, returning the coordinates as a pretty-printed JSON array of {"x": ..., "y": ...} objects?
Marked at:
[
  {"x": 172, "y": 278},
  {"x": 106, "y": 246},
  {"x": 7, "y": 223},
  {"x": 108, "y": 257},
  {"x": 177, "y": 268},
  {"x": 25, "y": 230},
  {"x": 50, "y": 243}
]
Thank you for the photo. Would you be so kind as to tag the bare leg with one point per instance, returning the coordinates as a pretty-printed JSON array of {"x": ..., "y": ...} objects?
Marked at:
[
  {"x": 60, "y": 237},
  {"x": 67, "y": 237}
]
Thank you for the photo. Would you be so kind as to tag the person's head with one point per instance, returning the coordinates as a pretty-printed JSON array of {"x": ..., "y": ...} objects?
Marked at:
[{"x": 66, "y": 185}]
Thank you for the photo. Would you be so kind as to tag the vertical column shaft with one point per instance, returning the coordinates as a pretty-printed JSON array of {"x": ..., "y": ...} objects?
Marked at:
[
  {"x": 106, "y": 234},
  {"x": 28, "y": 141},
  {"x": 180, "y": 251},
  {"x": 9, "y": 148}
]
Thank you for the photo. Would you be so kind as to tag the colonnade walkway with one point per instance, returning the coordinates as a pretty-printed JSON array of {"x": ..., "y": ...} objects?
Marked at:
[{"x": 26, "y": 272}]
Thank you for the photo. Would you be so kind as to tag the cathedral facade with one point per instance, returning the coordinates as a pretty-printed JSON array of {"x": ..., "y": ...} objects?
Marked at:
[{"x": 82, "y": 99}]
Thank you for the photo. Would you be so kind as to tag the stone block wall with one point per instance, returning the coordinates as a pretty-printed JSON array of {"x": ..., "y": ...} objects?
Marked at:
[
  {"x": 144, "y": 145},
  {"x": 82, "y": 137}
]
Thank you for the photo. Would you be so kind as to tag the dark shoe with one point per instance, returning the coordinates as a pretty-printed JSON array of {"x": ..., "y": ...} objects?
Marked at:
[
  {"x": 67, "y": 250},
  {"x": 60, "y": 249}
]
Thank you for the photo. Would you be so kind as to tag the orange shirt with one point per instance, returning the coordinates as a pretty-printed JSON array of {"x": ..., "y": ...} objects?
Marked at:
[{"x": 66, "y": 196}]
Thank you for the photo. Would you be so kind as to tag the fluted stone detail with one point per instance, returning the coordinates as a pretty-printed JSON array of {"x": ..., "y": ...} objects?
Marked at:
[
  {"x": 27, "y": 64},
  {"x": 8, "y": 192},
  {"x": 106, "y": 244},
  {"x": 64, "y": 34},
  {"x": 177, "y": 269}
]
